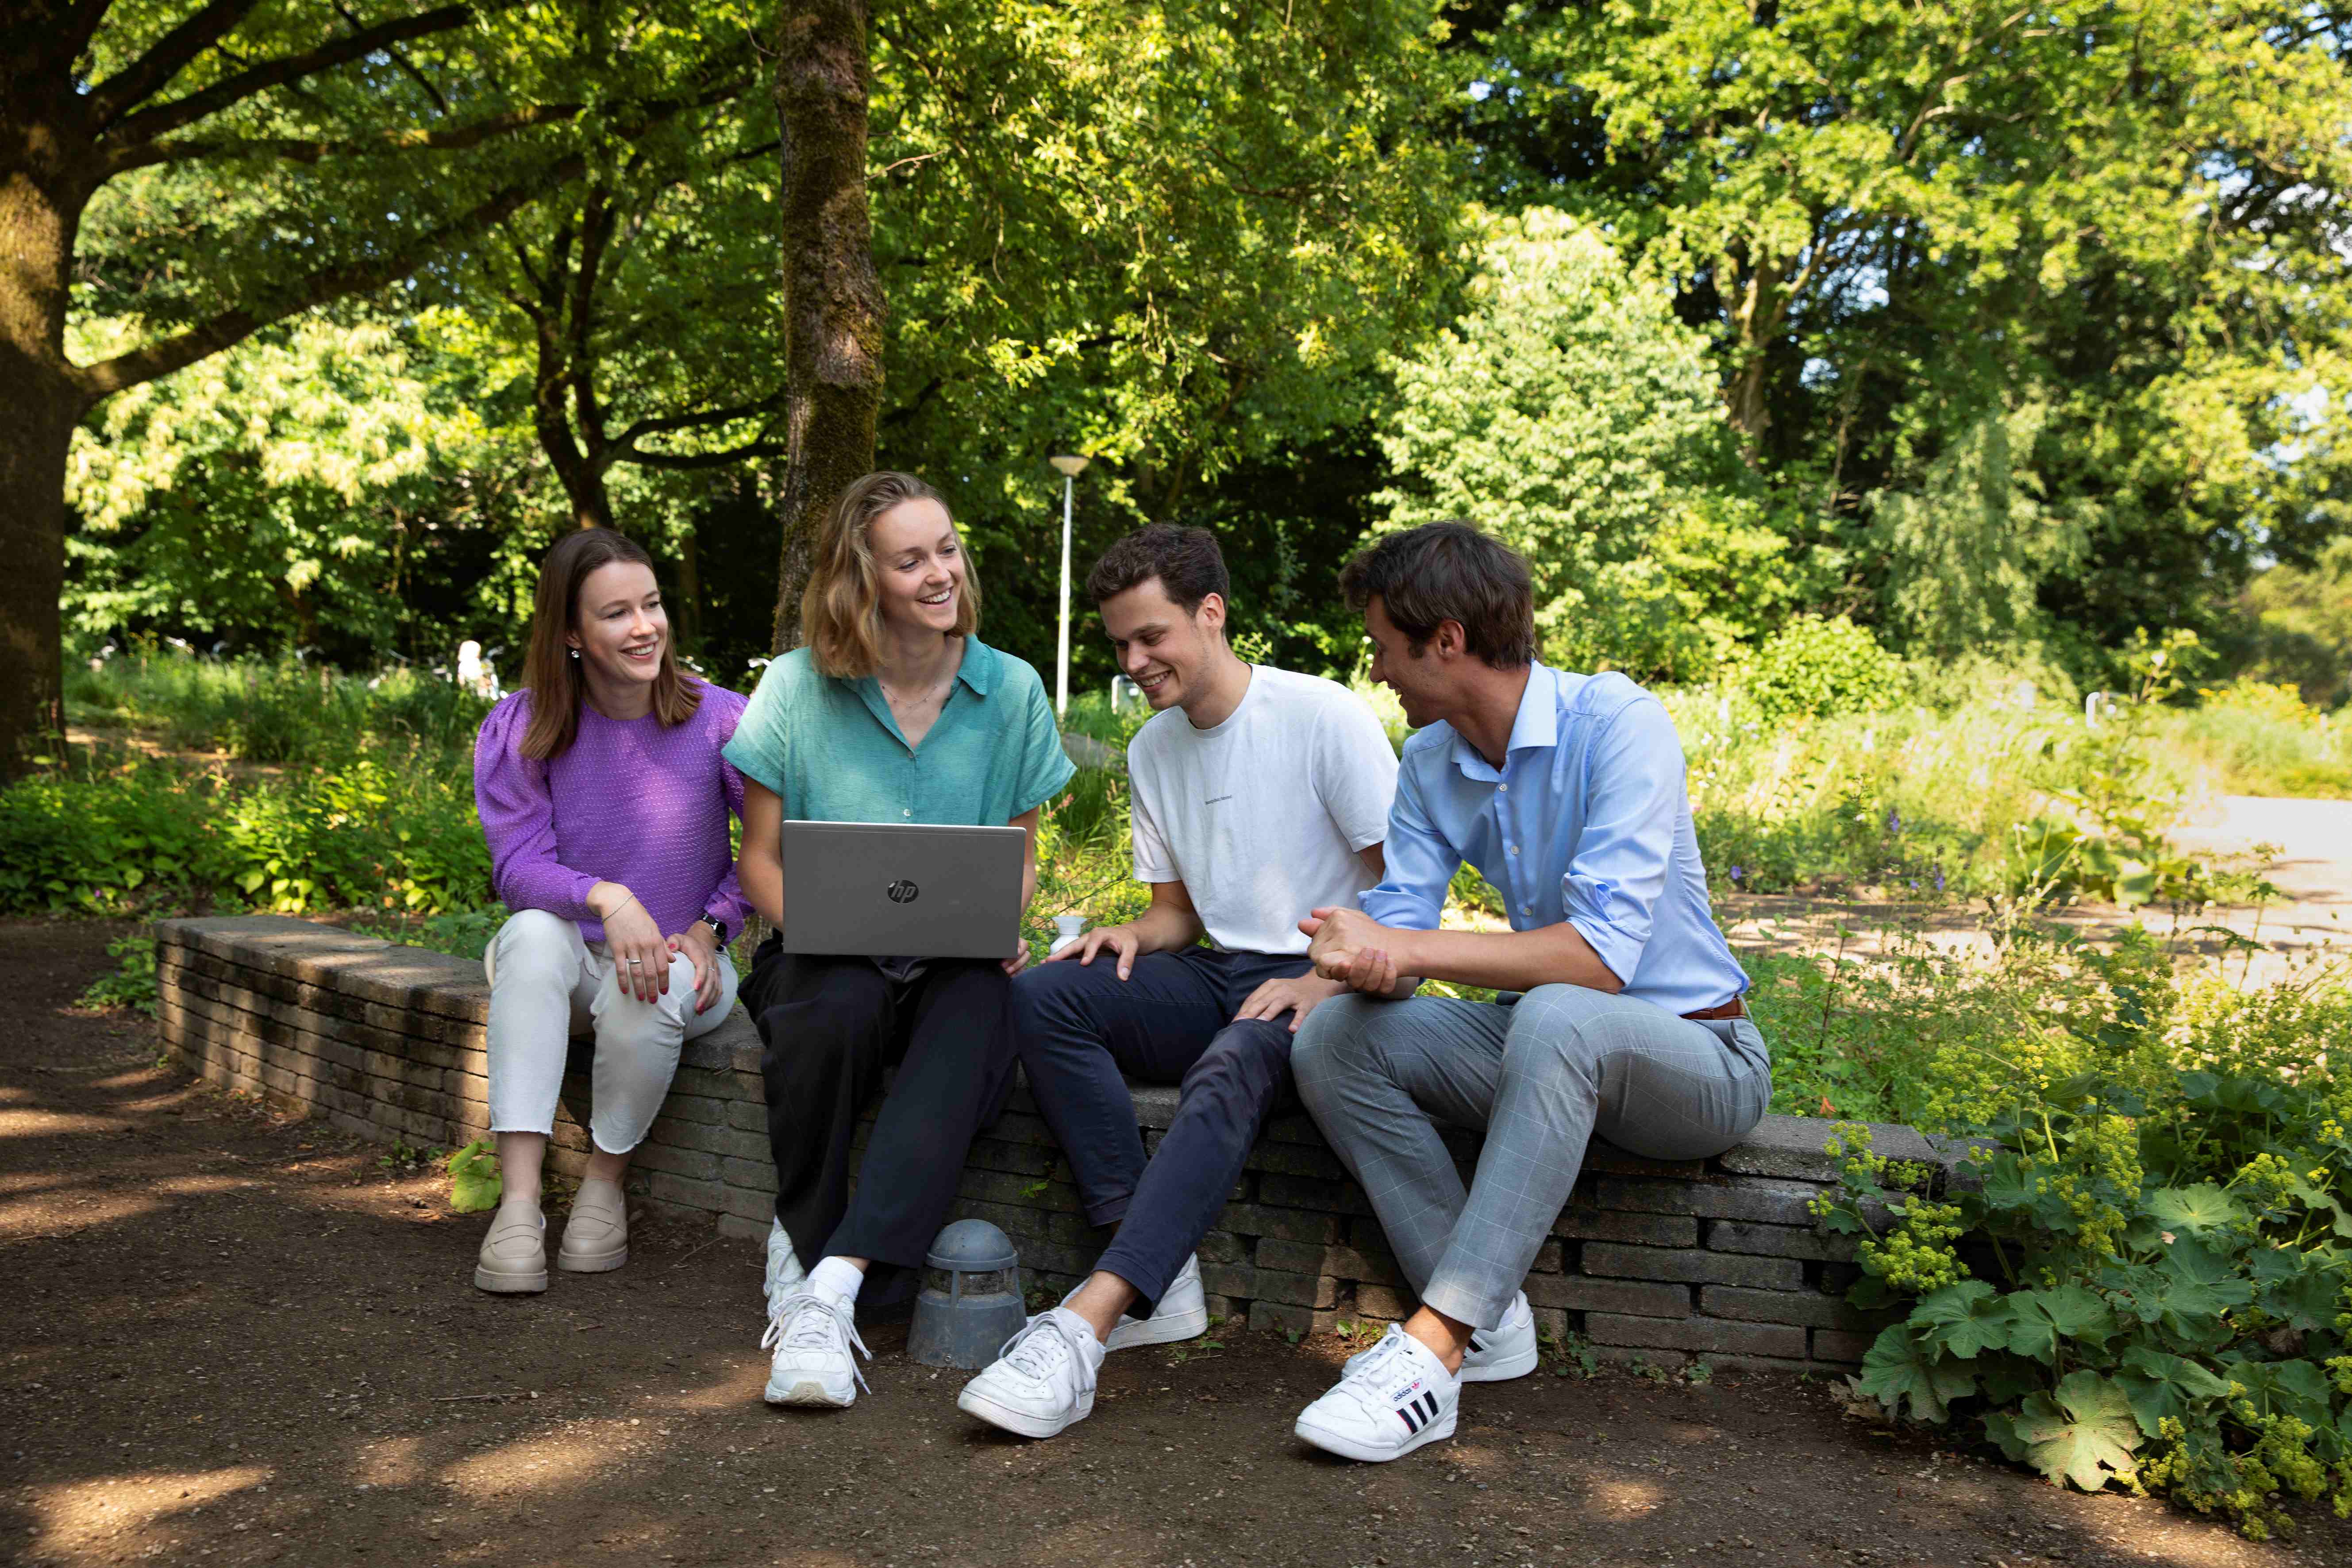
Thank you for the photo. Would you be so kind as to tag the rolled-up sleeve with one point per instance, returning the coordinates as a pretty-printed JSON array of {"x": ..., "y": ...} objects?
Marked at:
[
  {"x": 1045, "y": 768},
  {"x": 1420, "y": 863},
  {"x": 517, "y": 812},
  {"x": 757, "y": 750},
  {"x": 1632, "y": 803}
]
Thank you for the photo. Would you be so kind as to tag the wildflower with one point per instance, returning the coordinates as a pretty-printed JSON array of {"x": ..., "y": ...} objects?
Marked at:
[
  {"x": 1894, "y": 820},
  {"x": 1737, "y": 871}
]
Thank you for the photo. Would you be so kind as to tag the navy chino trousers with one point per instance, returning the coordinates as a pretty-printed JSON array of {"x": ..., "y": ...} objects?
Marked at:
[{"x": 1081, "y": 1032}]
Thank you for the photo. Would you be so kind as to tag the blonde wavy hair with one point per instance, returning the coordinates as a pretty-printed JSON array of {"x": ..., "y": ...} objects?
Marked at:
[{"x": 841, "y": 610}]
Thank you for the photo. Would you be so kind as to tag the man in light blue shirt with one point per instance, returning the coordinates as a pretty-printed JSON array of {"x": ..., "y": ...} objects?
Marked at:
[{"x": 1620, "y": 1012}]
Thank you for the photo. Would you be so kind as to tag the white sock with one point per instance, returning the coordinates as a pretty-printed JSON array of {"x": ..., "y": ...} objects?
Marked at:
[{"x": 836, "y": 1277}]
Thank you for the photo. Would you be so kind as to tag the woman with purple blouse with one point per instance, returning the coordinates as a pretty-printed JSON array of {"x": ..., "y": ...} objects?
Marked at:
[{"x": 605, "y": 800}]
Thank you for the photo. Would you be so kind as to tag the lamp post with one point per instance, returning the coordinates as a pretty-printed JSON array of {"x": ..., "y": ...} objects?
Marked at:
[{"x": 1069, "y": 468}]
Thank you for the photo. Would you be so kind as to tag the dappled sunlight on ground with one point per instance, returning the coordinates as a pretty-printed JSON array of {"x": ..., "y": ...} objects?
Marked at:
[
  {"x": 289, "y": 1326},
  {"x": 132, "y": 1514}
]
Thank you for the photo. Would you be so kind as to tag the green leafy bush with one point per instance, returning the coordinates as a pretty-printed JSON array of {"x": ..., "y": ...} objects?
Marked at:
[
  {"x": 2145, "y": 1281},
  {"x": 365, "y": 835},
  {"x": 132, "y": 982},
  {"x": 1819, "y": 669}
]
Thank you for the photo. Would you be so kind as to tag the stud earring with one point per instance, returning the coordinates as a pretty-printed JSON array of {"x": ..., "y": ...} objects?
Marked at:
[{"x": 576, "y": 653}]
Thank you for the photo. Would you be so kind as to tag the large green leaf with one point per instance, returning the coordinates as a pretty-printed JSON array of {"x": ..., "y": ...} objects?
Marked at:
[
  {"x": 1900, "y": 1369},
  {"x": 2307, "y": 1297},
  {"x": 2201, "y": 1210},
  {"x": 2159, "y": 1386},
  {"x": 2084, "y": 1432},
  {"x": 2199, "y": 1284},
  {"x": 2039, "y": 1320},
  {"x": 2295, "y": 1388},
  {"x": 1964, "y": 1319},
  {"x": 475, "y": 1183}
]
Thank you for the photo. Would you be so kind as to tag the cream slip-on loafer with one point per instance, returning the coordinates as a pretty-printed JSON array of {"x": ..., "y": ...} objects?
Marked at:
[
  {"x": 596, "y": 1237},
  {"x": 513, "y": 1259}
]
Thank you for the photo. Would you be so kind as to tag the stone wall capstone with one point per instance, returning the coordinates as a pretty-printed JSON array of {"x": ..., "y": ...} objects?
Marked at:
[{"x": 1658, "y": 1260}]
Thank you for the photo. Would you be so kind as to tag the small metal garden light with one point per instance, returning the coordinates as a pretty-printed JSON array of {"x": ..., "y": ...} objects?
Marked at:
[{"x": 971, "y": 1300}]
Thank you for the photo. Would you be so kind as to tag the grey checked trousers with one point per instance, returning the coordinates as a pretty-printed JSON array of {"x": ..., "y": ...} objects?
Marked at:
[{"x": 1540, "y": 1077}]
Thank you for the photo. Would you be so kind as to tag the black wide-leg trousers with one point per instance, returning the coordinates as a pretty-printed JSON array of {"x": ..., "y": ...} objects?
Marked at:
[{"x": 830, "y": 1028}]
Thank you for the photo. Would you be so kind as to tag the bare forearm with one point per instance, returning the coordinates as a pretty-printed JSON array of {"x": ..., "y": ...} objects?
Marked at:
[
  {"x": 1165, "y": 929},
  {"x": 762, "y": 877},
  {"x": 1504, "y": 960}
]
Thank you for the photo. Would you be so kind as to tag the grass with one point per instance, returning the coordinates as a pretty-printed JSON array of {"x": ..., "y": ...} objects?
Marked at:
[
  {"x": 373, "y": 809},
  {"x": 281, "y": 711}
]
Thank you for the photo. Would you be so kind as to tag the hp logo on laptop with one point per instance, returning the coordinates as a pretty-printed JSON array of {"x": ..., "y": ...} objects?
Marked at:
[{"x": 904, "y": 892}]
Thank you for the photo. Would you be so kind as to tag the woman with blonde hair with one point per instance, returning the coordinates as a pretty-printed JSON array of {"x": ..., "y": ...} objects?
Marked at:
[
  {"x": 606, "y": 801},
  {"x": 892, "y": 710}
]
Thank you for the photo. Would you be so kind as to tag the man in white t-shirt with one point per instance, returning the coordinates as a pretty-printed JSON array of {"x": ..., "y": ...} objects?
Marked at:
[{"x": 1258, "y": 794}]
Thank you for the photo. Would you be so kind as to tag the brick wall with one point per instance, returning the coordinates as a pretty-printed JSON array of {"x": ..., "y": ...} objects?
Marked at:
[{"x": 1665, "y": 1261}]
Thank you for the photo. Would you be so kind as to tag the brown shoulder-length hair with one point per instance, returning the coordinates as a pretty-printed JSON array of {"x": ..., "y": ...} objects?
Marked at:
[
  {"x": 841, "y": 612},
  {"x": 553, "y": 676}
]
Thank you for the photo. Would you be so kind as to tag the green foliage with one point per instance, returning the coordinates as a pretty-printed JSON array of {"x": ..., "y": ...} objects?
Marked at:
[
  {"x": 475, "y": 1180},
  {"x": 2303, "y": 625},
  {"x": 367, "y": 834},
  {"x": 1899, "y": 222},
  {"x": 1969, "y": 552},
  {"x": 285, "y": 710},
  {"x": 1571, "y": 414},
  {"x": 1820, "y": 668},
  {"x": 461, "y": 934},
  {"x": 2144, "y": 1280},
  {"x": 132, "y": 982}
]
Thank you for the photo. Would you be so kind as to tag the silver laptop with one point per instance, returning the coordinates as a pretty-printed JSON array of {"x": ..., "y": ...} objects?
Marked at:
[{"x": 902, "y": 889}]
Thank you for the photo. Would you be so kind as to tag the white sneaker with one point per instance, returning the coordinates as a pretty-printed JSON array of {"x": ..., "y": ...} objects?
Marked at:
[
  {"x": 812, "y": 1335},
  {"x": 784, "y": 1272},
  {"x": 1183, "y": 1314},
  {"x": 1504, "y": 1351},
  {"x": 1394, "y": 1398},
  {"x": 1044, "y": 1381}
]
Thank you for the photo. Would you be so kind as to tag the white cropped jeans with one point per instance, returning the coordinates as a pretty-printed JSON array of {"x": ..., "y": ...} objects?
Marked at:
[{"x": 548, "y": 984}]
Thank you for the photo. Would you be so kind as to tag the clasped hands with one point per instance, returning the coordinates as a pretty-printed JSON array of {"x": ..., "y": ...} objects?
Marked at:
[{"x": 1351, "y": 947}]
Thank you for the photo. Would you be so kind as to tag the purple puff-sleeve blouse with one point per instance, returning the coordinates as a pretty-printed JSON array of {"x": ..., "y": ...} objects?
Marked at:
[{"x": 631, "y": 801}]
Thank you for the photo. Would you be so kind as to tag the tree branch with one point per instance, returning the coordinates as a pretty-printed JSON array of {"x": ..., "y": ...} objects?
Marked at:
[
  {"x": 167, "y": 57},
  {"x": 663, "y": 424},
  {"x": 230, "y": 327},
  {"x": 408, "y": 67},
  {"x": 686, "y": 461},
  {"x": 301, "y": 150},
  {"x": 150, "y": 124}
]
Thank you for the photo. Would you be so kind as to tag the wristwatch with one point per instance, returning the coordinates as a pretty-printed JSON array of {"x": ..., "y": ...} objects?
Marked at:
[{"x": 718, "y": 926}]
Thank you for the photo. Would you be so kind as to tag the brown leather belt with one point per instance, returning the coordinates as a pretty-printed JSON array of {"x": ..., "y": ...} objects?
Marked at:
[{"x": 1734, "y": 1008}]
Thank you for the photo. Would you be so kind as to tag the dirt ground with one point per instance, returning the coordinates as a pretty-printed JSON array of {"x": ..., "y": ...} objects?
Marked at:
[{"x": 238, "y": 1339}]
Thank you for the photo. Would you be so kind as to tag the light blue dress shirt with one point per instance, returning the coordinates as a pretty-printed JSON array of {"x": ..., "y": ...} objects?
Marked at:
[{"x": 1588, "y": 821}]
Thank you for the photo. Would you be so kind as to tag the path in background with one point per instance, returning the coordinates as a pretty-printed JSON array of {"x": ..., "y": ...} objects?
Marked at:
[
  {"x": 2312, "y": 870},
  {"x": 236, "y": 1338}
]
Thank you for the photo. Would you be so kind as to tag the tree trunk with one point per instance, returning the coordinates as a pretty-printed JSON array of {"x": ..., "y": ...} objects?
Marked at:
[
  {"x": 833, "y": 298},
  {"x": 40, "y": 209},
  {"x": 690, "y": 589}
]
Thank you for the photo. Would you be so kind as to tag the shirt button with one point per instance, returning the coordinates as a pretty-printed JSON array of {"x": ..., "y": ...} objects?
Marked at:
[
  {"x": 1514, "y": 848},
  {"x": 1504, "y": 788},
  {"x": 905, "y": 813}
]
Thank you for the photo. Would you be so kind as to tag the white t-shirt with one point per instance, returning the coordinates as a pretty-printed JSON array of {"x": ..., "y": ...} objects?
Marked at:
[{"x": 1261, "y": 817}]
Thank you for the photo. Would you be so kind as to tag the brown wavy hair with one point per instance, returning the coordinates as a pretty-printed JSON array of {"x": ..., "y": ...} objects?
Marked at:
[
  {"x": 554, "y": 679},
  {"x": 841, "y": 611}
]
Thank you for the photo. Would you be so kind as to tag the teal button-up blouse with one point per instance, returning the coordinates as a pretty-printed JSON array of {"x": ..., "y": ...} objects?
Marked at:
[{"x": 832, "y": 752}]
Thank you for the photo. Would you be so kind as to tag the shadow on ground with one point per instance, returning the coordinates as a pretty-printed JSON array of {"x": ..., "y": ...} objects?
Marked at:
[{"x": 236, "y": 1338}]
